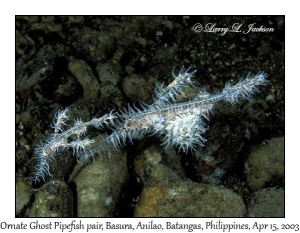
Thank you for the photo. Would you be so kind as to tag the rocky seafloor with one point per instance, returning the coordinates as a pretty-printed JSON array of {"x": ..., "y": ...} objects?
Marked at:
[{"x": 95, "y": 64}]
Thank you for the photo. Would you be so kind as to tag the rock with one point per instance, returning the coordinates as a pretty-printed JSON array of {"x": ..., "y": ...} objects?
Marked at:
[
  {"x": 154, "y": 166},
  {"x": 54, "y": 199},
  {"x": 99, "y": 184},
  {"x": 189, "y": 199},
  {"x": 84, "y": 75},
  {"x": 267, "y": 203},
  {"x": 148, "y": 201},
  {"x": 167, "y": 193},
  {"x": 26, "y": 118},
  {"x": 139, "y": 87},
  {"x": 110, "y": 78},
  {"x": 265, "y": 164},
  {"x": 109, "y": 73},
  {"x": 22, "y": 194}
]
